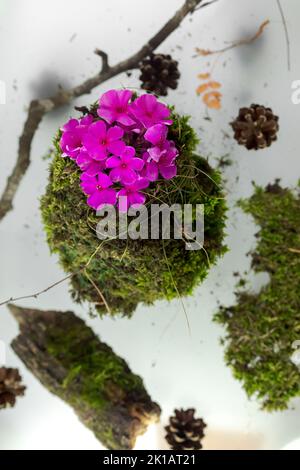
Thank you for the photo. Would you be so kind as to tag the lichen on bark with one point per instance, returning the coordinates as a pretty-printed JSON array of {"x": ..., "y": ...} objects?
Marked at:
[
  {"x": 262, "y": 328},
  {"x": 127, "y": 272}
]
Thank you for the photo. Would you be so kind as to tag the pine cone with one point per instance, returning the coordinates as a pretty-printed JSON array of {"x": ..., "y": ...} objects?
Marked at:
[
  {"x": 185, "y": 432},
  {"x": 255, "y": 127},
  {"x": 10, "y": 387},
  {"x": 158, "y": 73}
]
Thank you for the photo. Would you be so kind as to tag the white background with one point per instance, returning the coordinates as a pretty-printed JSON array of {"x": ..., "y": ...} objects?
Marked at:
[{"x": 44, "y": 43}]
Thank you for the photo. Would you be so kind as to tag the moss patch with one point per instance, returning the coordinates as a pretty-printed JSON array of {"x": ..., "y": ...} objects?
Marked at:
[
  {"x": 128, "y": 272},
  {"x": 98, "y": 367},
  {"x": 261, "y": 328}
]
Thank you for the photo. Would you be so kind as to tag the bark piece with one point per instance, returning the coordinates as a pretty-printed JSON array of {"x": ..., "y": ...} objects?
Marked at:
[{"x": 70, "y": 361}]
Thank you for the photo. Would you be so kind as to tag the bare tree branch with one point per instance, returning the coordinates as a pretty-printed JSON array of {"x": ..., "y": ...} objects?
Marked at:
[
  {"x": 206, "y": 4},
  {"x": 104, "y": 58},
  {"x": 39, "y": 108}
]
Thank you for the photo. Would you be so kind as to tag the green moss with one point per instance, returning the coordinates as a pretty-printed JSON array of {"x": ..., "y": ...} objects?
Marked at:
[
  {"x": 128, "y": 272},
  {"x": 95, "y": 363},
  {"x": 97, "y": 378},
  {"x": 261, "y": 328}
]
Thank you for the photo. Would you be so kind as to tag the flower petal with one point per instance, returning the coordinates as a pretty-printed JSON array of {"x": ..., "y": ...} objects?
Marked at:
[
  {"x": 141, "y": 183},
  {"x": 155, "y": 153},
  {"x": 98, "y": 129},
  {"x": 125, "y": 120},
  {"x": 94, "y": 167},
  {"x": 70, "y": 125},
  {"x": 151, "y": 171},
  {"x": 168, "y": 172},
  {"x": 110, "y": 196},
  {"x": 148, "y": 102},
  {"x": 136, "y": 164},
  {"x": 128, "y": 176},
  {"x": 115, "y": 175},
  {"x": 86, "y": 120},
  {"x": 104, "y": 180},
  {"x": 102, "y": 198},
  {"x": 116, "y": 147},
  {"x": 128, "y": 153},
  {"x": 124, "y": 96},
  {"x": 113, "y": 162},
  {"x": 89, "y": 184},
  {"x": 109, "y": 98},
  {"x": 114, "y": 133},
  {"x": 93, "y": 147},
  {"x": 107, "y": 114},
  {"x": 136, "y": 199},
  {"x": 156, "y": 134}
]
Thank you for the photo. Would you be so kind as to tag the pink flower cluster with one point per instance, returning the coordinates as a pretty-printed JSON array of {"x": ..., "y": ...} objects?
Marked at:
[{"x": 122, "y": 150}]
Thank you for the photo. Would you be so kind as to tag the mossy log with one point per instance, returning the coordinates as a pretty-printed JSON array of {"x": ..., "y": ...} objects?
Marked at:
[
  {"x": 71, "y": 362},
  {"x": 128, "y": 272}
]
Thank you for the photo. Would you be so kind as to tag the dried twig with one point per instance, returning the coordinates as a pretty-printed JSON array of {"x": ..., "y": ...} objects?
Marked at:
[
  {"x": 294, "y": 250},
  {"x": 39, "y": 108},
  {"x": 101, "y": 296},
  {"x": 241, "y": 42},
  {"x": 35, "y": 295},
  {"x": 287, "y": 37}
]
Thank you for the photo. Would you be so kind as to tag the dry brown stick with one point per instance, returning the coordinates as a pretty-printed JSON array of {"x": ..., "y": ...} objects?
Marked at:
[
  {"x": 101, "y": 296},
  {"x": 294, "y": 250},
  {"x": 287, "y": 36},
  {"x": 241, "y": 42},
  {"x": 39, "y": 108}
]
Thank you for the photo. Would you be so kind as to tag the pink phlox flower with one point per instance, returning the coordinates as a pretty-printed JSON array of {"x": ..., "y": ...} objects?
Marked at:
[
  {"x": 123, "y": 151},
  {"x": 114, "y": 107},
  {"x": 72, "y": 135},
  {"x": 157, "y": 136},
  {"x": 88, "y": 164},
  {"x": 166, "y": 165},
  {"x": 125, "y": 167},
  {"x": 131, "y": 195},
  {"x": 149, "y": 111},
  {"x": 99, "y": 140},
  {"x": 98, "y": 188}
]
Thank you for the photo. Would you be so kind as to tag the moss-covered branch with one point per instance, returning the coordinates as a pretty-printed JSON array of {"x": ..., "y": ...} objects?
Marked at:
[
  {"x": 71, "y": 362},
  {"x": 261, "y": 328}
]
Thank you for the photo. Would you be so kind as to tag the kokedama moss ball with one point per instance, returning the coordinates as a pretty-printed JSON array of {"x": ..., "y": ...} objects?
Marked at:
[
  {"x": 263, "y": 330},
  {"x": 122, "y": 273}
]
